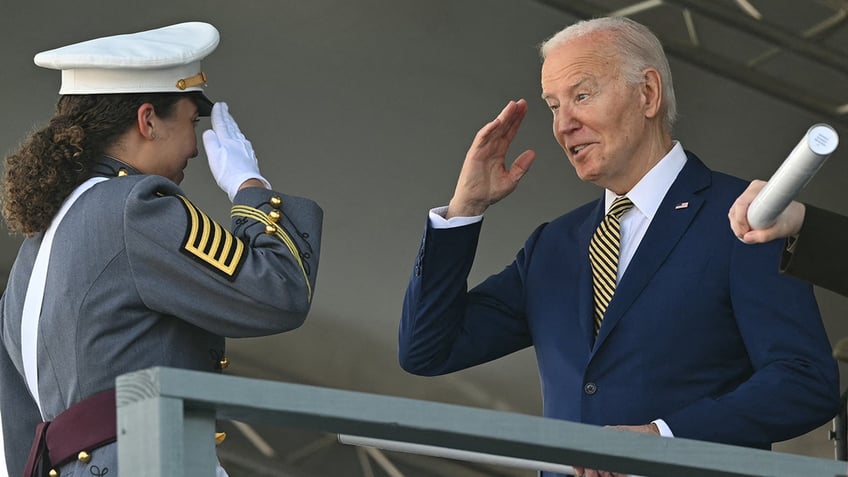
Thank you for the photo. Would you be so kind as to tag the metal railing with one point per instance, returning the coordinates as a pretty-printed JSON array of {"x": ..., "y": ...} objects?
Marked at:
[{"x": 166, "y": 421}]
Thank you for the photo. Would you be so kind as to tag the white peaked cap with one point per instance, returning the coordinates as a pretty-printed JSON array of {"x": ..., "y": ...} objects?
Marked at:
[{"x": 164, "y": 60}]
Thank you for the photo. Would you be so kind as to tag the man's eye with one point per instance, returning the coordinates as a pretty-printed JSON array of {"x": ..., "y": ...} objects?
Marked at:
[
  {"x": 553, "y": 107},
  {"x": 581, "y": 96}
]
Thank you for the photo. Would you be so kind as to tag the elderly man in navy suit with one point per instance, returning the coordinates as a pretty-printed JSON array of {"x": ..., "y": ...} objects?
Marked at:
[{"x": 645, "y": 311}]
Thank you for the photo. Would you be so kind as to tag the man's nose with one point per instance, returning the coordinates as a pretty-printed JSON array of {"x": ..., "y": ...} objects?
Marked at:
[{"x": 564, "y": 121}]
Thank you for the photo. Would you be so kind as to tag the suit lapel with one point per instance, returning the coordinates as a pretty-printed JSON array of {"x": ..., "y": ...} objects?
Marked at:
[{"x": 675, "y": 214}]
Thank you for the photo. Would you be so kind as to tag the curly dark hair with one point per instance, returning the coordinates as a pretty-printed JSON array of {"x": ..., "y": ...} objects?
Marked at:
[{"x": 54, "y": 160}]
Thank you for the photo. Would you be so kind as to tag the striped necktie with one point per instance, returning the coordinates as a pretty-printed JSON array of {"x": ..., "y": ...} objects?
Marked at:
[{"x": 603, "y": 256}]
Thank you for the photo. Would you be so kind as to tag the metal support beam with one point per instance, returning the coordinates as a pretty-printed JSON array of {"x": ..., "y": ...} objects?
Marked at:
[
  {"x": 827, "y": 110},
  {"x": 787, "y": 40},
  {"x": 761, "y": 82}
]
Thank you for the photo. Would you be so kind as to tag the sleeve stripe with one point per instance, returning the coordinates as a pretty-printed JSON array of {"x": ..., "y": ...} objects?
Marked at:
[{"x": 259, "y": 216}]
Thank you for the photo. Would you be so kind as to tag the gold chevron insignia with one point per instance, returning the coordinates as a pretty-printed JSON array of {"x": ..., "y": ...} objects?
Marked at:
[{"x": 210, "y": 244}]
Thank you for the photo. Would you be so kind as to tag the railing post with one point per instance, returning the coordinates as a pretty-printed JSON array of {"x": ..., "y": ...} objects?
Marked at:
[
  {"x": 161, "y": 437},
  {"x": 199, "y": 442}
]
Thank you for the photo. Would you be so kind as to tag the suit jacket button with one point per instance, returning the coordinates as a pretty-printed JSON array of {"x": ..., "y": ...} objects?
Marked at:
[{"x": 590, "y": 388}]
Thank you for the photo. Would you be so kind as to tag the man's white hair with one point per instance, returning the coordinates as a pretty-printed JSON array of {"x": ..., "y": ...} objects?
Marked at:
[{"x": 637, "y": 47}]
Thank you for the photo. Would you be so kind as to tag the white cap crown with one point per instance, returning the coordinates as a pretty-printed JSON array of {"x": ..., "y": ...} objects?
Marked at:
[{"x": 162, "y": 60}]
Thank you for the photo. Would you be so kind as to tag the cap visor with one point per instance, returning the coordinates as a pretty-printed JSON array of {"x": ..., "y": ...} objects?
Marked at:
[{"x": 204, "y": 105}]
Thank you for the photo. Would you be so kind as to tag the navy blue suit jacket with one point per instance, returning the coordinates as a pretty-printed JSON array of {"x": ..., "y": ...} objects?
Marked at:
[{"x": 703, "y": 331}]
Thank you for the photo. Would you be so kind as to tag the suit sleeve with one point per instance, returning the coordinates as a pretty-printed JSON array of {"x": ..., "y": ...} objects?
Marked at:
[
  {"x": 819, "y": 254},
  {"x": 795, "y": 382},
  {"x": 444, "y": 327},
  {"x": 19, "y": 414},
  {"x": 258, "y": 278}
]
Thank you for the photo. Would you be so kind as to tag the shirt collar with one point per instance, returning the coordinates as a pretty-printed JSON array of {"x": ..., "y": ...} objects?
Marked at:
[{"x": 649, "y": 192}]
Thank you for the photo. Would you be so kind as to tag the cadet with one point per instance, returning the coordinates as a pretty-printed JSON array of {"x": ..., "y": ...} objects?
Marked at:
[{"x": 119, "y": 270}]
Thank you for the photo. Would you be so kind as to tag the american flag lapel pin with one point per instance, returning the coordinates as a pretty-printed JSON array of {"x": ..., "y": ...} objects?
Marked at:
[{"x": 681, "y": 205}]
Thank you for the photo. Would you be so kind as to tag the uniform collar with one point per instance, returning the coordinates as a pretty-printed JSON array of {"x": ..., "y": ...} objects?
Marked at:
[{"x": 107, "y": 166}]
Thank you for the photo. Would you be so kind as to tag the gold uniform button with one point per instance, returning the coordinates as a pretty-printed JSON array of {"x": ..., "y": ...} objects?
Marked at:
[
  {"x": 123, "y": 172},
  {"x": 84, "y": 457},
  {"x": 53, "y": 473},
  {"x": 276, "y": 201},
  {"x": 223, "y": 362},
  {"x": 274, "y": 215},
  {"x": 220, "y": 437},
  {"x": 270, "y": 229}
]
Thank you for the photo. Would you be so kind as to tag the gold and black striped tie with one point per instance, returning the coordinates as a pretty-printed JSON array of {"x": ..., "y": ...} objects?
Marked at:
[{"x": 603, "y": 255}]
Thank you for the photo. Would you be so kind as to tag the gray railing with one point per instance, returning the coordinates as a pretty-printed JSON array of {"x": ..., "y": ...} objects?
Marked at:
[{"x": 166, "y": 421}]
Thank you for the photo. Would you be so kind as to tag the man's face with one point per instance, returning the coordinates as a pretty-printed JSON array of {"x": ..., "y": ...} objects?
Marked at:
[
  {"x": 176, "y": 142},
  {"x": 599, "y": 120}
]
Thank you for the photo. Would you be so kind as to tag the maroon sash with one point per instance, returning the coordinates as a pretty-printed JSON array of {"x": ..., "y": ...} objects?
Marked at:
[{"x": 85, "y": 426}]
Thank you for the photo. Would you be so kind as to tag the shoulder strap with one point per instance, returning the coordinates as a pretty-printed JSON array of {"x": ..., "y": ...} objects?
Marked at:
[{"x": 35, "y": 293}]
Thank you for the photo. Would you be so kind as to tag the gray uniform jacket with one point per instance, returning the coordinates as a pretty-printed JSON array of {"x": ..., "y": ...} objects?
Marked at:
[{"x": 139, "y": 277}]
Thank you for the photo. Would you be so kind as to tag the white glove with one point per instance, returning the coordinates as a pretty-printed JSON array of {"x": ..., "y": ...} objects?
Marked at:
[{"x": 231, "y": 157}]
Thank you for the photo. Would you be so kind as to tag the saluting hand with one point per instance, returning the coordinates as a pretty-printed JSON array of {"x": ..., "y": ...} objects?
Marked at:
[
  {"x": 231, "y": 157},
  {"x": 485, "y": 178}
]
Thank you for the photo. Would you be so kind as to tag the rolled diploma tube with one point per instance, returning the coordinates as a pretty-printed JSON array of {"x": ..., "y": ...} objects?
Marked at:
[{"x": 792, "y": 176}]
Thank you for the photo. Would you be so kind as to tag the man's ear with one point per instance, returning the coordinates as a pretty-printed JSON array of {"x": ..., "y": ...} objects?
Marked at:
[
  {"x": 652, "y": 93},
  {"x": 146, "y": 121}
]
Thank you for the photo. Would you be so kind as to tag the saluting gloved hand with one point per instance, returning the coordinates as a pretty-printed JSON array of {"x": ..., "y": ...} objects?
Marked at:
[{"x": 231, "y": 157}]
